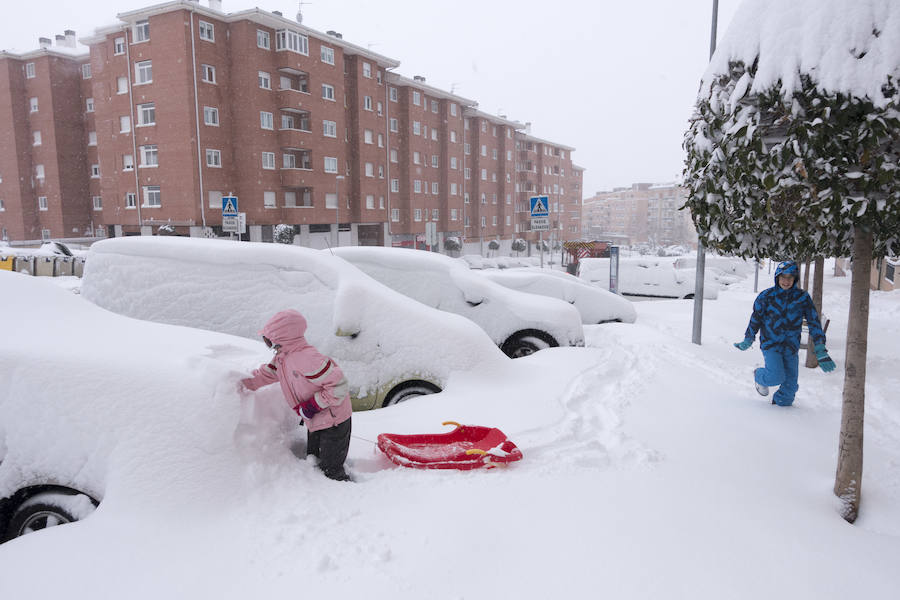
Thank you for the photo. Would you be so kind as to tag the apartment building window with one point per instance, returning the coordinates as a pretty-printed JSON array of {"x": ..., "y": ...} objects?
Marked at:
[
  {"x": 417, "y": 186},
  {"x": 381, "y": 171},
  {"x": 266, "y": 120},
  {"x": 124, "y": 124},
  {"x": 494, "y": 154},
  {"x": 92, "y": 138},
  {"x": 95, "y": 171},
  {"x": 484, "y": 174},
  {"x": 211, "y": 116},
  {"x": 417, "y": 128},
  {"x": 483, "y": 198},
  {"x": 508, "y": 200},
  {"x": 494, "y": 198},
  {"x": 149, "y": 155},
  {"x": 395, "y": 185},
  {"x": 367, "y": 102},
  {"x": 468, "y": 173},
  {"x": 509, "y": 155},
  {"x": 215, "y": 199},
  {"x": 262, "y": 40},
  {"x": 121, "y": 85},
  {"x": 207, "y": 73},
  {"x": 483, "y": 150},
  {"x": 268, "y": 160},
  {"x": 417, "y": 98},
  {"x": 86, "y": 71},
  {"x": 207, "y": 31},
  {"x": 435, "y": 159},
  {"x": 213, "y": 158},
  {"x": 434, "y": 134},
  {"x": 381, "y": 140},
  {"x": 466, "y": 197},
  {"x": 146, "y": 114},
  {"x": 268, "y": 199},
  {"x": 33, "y": 105},
  {"x": 127, "y": 162},
  {"x": 36, "y": 135},
  {"x": 367, "y": 70},
  {"x": 452, "y": 189},
  {"x": 285, "y": 39},
  {"x": 465, "y": 123},
  {"x": 328, "y": 92},
  {"x": 416, "y": 158},
  {"x": 507, "y": 220},
  {"x": 452, "y": 162},
  {"x": 467, "y": 149},
  {"x": 42, "y": 202},
  {"x": 454, "y": 214},
  {"x": 369, "y": 136},
  {"x": 494, "y": 177},
  {"x": 327, "y": 55},
  {"x": 395, "y": 125},
  {"x": 370, "y": 202},
  {"x": 395, "y": 214},
  {"x": 130, "y": 200},
  {"x": 89, "y": 105},
  {"x": 370, "y": 170},
  {"x": 152, "y": 196},
  {"x": 329, "y": 128},
  {"x": 29, "y": 70},
  {"x": 143, "y": 72},
  {"x": 331, "y": 164},
  {"x": 434, "y": 188},
  {"x": 393, "y": 155},
  {"x": 379, "y": 108},
  {"x": 98, "y": 202},
  {"x": 264, "y": 80},
  {"x": 484, "y": 127},
  {"x": 119, "y": 46},
  {"x": 142, "y": 31},
  {"x": 418, "y": 214},
  {"x": 483, "y": 222},
  {"x": 392, "y": 92},
  {"x": 331, "y": 200},
  {"x": 453, "y": 136}
]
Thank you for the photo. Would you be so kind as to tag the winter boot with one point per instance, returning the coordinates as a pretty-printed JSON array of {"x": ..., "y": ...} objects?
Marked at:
[{"x": 760, "y": 389}]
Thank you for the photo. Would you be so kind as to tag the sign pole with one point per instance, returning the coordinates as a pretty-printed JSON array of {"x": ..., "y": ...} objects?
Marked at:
[{"x": 541, "y": 247}]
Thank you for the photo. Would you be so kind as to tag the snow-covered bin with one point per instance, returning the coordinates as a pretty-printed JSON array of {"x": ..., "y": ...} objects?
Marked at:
[
  {"x": 78, "y": 266},
  {"x": 7, "y": 263},
  {"x": 63, "y": 266},
  {"x": 44, "y": 266},
  {"x": 24, "y": 264}
]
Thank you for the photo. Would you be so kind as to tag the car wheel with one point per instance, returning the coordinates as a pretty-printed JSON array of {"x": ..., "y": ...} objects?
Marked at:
[
  {"x": 526, "y": 342},
  {"x": 409, "y": 389},
  {"x": 47, "y": 509}
]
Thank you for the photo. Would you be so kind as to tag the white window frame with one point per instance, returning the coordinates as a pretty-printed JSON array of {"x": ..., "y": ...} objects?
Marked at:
[
  {"x": 264, "y": 80},
  {"x": 39, "y": 171},
  {"x": 97, "y": 202},
  {"x": 89, "y": 105},
  {"x": 149, "y": 156},
  {"x": 331, "y": 164},
  {"x": 32, "y": 105},
  {"x": 35, "y": 138},
  {"x": 395, "y": 185},
  {"x": 42, "y": 203},
  {"x": 207, "y": 31},
  {"x": 119, "y": 46},
  {"x": 326, "y": 55},
  {"x": 394, "y": 125},
  {"x": 367, "y": 70},
  {"x": 213, "y": 158},
  {"x": 417, "y": 214},
  {"x": 291, "y": 41},
  {"x": 146, "y": 111},
  {"x": 130, "y": 200},
  {"x": 92, "y": 138},
  {"x": 125, "y": 124},
  {"x": 268, "y": 160},
  {"x": 127, "y": 162},
  {"x": 264, "y": 41},
  {"x": 417, "y": 98},
  {"x": 393, "y": 94},
  {"x": 86, "y": 71},
  {"x": 368, "y": 136},
  {"x": 270, "y": 200},
  {"x": 29, "y": 70},
  {"x": 214, "y": 199},
  {"x": 208, "y": 74},
  {"x": 329, "y": 128},
  {"x": 370, "y": 201},
  {"x": 95, "y": 171},
  {"x": 121, "y": 85},
  {"x": 328, "y": 92},
  {"x": 434, "y": 188},
  {"x": 143, "y": 72},
  {"x": 395, "y": 215},
  {"x": 211, "y": 116},
  {"x": 367, "y": 103},
  {"x": 141, "y": 32},
  {"x": 266, "y": 120},
  {"x": 370, "y": 169},
  {"x": 152, "y": 192}
]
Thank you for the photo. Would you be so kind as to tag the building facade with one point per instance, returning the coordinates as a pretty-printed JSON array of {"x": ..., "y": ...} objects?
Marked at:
[
  {"x": 180, "y": 104},
  {"x": 643, "y": 214}
]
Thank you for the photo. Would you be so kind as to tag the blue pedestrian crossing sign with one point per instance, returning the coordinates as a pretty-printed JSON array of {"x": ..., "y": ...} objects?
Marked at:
[
  {"x": 540, "y": 206},
  {"x": 229, "y": 206}
]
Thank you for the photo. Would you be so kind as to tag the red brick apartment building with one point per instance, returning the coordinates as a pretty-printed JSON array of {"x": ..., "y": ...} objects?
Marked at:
[{"x": 180, "y": 104}]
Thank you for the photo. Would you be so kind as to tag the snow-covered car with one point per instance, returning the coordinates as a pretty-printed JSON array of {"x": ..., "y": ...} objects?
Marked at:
[
  {"x": 390, "y": 347},
  {"x": 594, "y": 304},
  {"x": 66, "y": 402},
  {"x": 519, "y": 324},
  {"x": 654, "y": 277},
  {"x": 725, "y": 270}
]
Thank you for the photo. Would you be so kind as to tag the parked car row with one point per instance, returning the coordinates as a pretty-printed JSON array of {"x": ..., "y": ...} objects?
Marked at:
[{"x": 654, "y": 277}]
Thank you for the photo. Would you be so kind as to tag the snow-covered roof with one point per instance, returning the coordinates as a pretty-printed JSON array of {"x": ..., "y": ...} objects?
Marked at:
[
  {"x": 400, "y": 80},
  {"x": 848, "y": 46},
  {"x": 474, "y": 112}
]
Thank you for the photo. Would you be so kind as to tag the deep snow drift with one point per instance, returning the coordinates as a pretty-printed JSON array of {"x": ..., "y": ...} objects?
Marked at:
[{"x": 651, "y": 469}]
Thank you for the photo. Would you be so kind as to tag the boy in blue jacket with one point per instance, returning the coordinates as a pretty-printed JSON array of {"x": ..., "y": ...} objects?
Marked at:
[{"x": 778, "y": 314}]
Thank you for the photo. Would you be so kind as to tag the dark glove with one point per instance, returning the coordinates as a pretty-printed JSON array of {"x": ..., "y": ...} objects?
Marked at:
[
  {"x": 744, "y": 345},
  {"x": 825, "y": 362},
  {"x": 308, "y": 409}
]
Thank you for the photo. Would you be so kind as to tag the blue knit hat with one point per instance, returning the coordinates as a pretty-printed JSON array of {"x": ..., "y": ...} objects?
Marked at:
[{"x": 787, "y": 267}]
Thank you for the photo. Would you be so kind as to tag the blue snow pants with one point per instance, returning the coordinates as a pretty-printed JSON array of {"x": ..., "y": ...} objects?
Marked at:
[{"x": 780, "y": 370}]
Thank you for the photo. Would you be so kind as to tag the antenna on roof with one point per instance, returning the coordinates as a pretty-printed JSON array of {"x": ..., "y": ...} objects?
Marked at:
[{"x": 300, "y": 11}]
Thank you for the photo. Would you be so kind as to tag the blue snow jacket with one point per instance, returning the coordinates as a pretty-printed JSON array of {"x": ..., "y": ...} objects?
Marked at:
[{"x": 778, "y": 315}]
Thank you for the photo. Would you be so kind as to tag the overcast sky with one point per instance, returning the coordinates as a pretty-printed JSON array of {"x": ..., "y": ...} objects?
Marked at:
[{"x": 614, "y": 79}]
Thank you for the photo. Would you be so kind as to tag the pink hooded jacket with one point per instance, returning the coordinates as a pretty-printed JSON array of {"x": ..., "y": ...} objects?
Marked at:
[{"x": 303, "y": 372}]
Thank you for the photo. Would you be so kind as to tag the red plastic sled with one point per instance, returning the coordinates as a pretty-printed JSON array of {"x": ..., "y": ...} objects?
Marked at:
[{"x": 466, "y": 447}]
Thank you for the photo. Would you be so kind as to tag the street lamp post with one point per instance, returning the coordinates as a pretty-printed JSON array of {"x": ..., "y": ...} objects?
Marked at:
[{"x": 337, "y": 210}]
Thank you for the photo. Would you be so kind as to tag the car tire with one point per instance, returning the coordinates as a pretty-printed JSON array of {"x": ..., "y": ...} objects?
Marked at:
[
  {"x": 407, "y": 390},
  {"x": 689, "y": 297},
  {"x": 40, "y": 511},
  {"x": 527, "y": 342}
]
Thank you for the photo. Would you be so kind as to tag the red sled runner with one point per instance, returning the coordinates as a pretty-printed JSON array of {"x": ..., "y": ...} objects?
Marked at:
[{"x": 466, "y": 447}]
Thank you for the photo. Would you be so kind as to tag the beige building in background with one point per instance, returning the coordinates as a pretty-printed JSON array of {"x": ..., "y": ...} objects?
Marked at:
[{"x": 645, "y": 213}]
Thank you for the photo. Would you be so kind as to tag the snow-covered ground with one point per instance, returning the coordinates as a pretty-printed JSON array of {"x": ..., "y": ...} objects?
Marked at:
[{"x": 651, "y": 469}]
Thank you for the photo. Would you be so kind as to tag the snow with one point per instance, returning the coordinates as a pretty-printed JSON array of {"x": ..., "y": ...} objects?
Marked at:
[
  {"x": 446, "y": 283},
  {"x": 832, "y": 40},
  {"x": 648, "y": 276},
  {"x": 651, "y": 468},
  {"x": 236, "y": 287}
]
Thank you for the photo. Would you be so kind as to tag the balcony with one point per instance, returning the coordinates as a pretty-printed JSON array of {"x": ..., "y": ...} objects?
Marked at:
[
  {"x": 296, "y": 178},
  {"x": 294, "y": 138}
]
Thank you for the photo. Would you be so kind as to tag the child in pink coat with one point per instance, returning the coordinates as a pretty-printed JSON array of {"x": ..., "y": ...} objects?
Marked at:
[{"x": 313, "y": 385}]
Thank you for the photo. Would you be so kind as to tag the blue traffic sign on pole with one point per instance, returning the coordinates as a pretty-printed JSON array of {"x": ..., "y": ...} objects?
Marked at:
[
  {"x": 540, "y": 206},
  {"x": 229, "y": 206}
]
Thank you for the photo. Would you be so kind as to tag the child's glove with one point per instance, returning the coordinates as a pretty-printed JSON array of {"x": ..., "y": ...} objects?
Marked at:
[
  {"x": 825, "y": 362},
  {"x": 744, "y": 345},
  {"x": 308, "y": 409}
]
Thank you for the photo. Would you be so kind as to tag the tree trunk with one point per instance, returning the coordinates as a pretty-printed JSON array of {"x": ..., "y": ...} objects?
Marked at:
[
  {"x": 818, "y": 279},
  {"x": 806, "y": 276},
  {"x": 848, "y": 480}
]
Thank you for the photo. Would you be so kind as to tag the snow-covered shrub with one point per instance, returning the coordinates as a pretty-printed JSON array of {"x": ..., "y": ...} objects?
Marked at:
[
  {"x": 494, "y": 245},
  {"x": 284, "y": 234}
]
